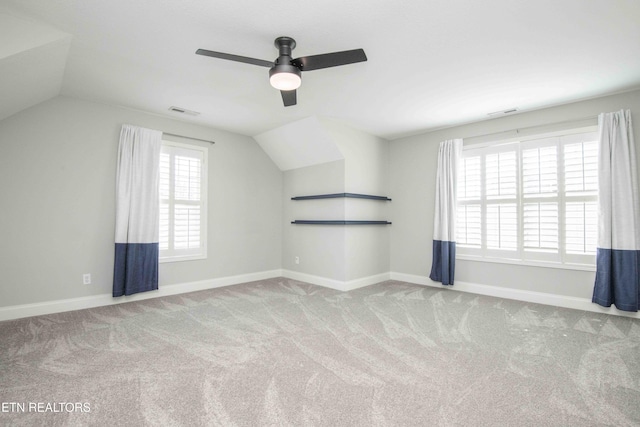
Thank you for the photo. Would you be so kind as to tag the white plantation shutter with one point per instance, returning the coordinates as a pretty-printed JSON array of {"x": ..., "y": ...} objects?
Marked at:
[
  {"x": 501, "y": 175},
  {"x": 164, "y": 227},
  {"x": 541, "y": 226},
  {"x": 182, "y": 202},
  {"x": 502, "y": 226},
  {"x": 501, "y": 185},
  {"x": 540, "y": 171},
  {"x": 187, "y": 177},
  {"x": 469, "y": 212},
  {"x": 581, "y": 196},
  {"x": 469, "y": 184},
  {"x": 581, "y": 227},
  {"x": 533, "y": 200},
  {"x": 165, "y": 173},
  {"x": 186, "y": 227},
  {"x": 540, "y": 209},
  {"x": 581, "y": 167},
  {"x": 469, "y": 226},
  {"x": 187, "y": 207}
]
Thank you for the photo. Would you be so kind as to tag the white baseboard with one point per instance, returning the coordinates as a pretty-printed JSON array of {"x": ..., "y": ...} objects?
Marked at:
[
  {"x": 338, "y": 285},
  {"x": 516, "y": 294},
  {"x": 367, "y": 281},
  {"x": 59, "y": 306}
]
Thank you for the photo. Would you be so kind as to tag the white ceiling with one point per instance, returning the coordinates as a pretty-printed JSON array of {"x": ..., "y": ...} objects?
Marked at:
[{"x": 431, "y": 63}]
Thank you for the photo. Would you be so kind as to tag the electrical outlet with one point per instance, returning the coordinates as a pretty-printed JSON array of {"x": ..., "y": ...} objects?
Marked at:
[
  {"x": 297, "y": 260},
  {"x": 86, "y": 279}
]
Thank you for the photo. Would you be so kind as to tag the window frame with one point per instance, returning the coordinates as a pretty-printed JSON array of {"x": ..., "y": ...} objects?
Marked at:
[
  {"x": 541, "y": 258},
  {"x": 178, "y": 255}
]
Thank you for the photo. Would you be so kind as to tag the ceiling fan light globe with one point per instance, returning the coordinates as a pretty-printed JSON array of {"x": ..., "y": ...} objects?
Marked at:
[
  {"x": 285, "y": 77},
  {"x": 285, "y": 81}
]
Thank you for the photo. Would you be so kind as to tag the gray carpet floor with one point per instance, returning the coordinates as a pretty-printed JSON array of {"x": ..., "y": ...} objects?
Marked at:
[{"x": 284, "y": 353}]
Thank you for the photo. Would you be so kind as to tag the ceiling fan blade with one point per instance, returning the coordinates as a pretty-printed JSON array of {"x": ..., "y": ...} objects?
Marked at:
[
  {"x": 236, "y": 58},
  {"x": 326, "y": 60},
  {"x": 289, "y": 97}
]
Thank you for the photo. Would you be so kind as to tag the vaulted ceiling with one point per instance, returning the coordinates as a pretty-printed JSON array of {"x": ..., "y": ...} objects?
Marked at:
[{"x": 430, "y": 64}]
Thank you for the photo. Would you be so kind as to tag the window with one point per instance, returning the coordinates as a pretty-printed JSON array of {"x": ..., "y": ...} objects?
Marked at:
[
  {"x": 183, "y": 202},
  {"x": 530, "y": 201}
]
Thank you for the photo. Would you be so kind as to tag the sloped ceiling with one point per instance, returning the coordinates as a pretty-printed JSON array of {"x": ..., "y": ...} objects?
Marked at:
[
  {"x": 431, "y": 63},
  {"x": 32, "y": 63},
  {"x": 299, "y": 144}
]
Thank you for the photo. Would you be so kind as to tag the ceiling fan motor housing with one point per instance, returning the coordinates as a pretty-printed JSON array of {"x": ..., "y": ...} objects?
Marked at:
[
  {"x": 284, "y": 62},
  {"x": 285, "y": 45},
  {"x": 283, "y": 66}
]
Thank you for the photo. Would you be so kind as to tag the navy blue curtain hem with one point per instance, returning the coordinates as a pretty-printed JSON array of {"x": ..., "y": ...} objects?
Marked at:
[
  {"x": 617, "y": 279},
  {"x": 135, "y": 268},
  {"x": 147, "y": 287},
  {"x": 444, "y": 262},
  {"x": 619, "y": 306}
]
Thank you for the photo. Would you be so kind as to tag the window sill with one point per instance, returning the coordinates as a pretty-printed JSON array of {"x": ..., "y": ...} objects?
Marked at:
[
  {"x": 181, "y": 258},
  {"x": 581, "y": 267}
]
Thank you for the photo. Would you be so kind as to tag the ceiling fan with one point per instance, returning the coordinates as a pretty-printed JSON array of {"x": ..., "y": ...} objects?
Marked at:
[{"x": 285, "y": 73}]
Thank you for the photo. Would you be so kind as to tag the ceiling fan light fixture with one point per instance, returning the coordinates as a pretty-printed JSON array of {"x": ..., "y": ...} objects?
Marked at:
[
  {"x": 285, "y": 77},
  {"x": 285, "y": 73}
]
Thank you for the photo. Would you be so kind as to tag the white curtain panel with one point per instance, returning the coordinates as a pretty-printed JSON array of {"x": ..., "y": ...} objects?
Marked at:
[
  {"x": 618, "y": 254},
  {"x": 137, "y": 211},
  {"x": 444, "y": 225}
]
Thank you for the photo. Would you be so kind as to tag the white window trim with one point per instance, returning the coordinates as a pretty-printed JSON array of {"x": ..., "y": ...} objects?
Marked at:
[
  {"x": 532, "y": 263},
  {"x": 202, "y": 254},
  {"x": 566, "y": 261}
]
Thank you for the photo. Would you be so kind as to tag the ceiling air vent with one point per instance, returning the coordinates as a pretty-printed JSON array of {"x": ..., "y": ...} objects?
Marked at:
[
  {"x": 503, "y": 112},
  {"x": 184, "y": 111}
]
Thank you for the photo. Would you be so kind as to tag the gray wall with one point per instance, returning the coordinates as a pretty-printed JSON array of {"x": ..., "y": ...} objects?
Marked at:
[
  {"x": 341, "y": 253},
  {"x": 366, "y": 172},
  {"x": 413, "y": 167},
  {"x": 57, "y": 168},
  {"x": 320, "y": 248}
]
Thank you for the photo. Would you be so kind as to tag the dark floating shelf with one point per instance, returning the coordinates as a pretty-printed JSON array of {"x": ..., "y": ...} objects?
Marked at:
[
  {"x": 338, "y": 195},
  {"x": 338, "y": 222}
]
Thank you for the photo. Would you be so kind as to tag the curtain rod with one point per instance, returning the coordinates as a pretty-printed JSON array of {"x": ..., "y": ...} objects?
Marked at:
[
  {"x": 529, "y": 128},
  {"x": 189, "y": 137}
]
